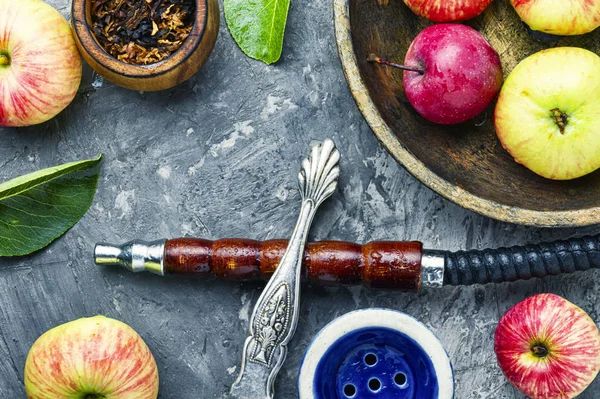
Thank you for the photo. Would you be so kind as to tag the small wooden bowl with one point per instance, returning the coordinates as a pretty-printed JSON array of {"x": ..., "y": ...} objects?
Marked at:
[
  {"x": 165, "y": 74},
  {"x": 464, "y": 163}
]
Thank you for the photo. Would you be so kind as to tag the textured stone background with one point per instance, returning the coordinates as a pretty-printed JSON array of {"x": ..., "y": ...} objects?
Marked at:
[{"x": 217, "y": 157}]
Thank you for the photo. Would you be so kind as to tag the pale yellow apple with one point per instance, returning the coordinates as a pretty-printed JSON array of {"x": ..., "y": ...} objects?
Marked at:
[
  {"x": 548, "y": 113},
  {"x": 40, "y": 66},
  {"x": 559, "y": 17},
  {"x": 91, "y": 358}
]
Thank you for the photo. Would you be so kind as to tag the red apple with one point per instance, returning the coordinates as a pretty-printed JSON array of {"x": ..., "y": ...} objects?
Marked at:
[
  {"x": 447, "y": 11},
  {"x": 91, "y": 358},
  {"x": 564, "y": 17},
  {"x": 451, "y": 73},
  {"x": 40, "y": 67},
  {"x": 548, "y": 348}
]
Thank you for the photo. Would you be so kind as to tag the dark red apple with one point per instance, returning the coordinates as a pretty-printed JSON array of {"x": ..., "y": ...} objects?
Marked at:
[
  {"x": 447, "y": 11},
  {"x": 548, "y": 348},
  {"x": 451, "y": 73}
]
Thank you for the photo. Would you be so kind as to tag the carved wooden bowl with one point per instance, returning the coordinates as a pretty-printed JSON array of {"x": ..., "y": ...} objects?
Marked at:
[
  {"x": 180, "y": 66},
  {"x": 465, "y": 163}
]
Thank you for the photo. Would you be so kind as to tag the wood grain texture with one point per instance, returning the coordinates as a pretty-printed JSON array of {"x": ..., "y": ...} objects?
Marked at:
[
  {"x": 177, "y": 68},
  {"x": 217, "y": 156},
  {"x": 378, "y": 264},
  {"x": 465, "y": 163}
]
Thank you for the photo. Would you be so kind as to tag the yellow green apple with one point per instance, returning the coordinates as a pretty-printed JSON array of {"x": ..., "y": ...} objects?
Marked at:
[
  {"x": 559, "y": 17},
  {"x": 40, "y": 67},
  {"x": 548, "y": 113},
  {"x": 91, "y": 358}
]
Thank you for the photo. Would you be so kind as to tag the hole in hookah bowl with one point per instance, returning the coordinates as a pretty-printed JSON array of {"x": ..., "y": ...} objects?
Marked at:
[
  {"x": 370, "y": 359},
  {"x": 374, "y": 384},
  {"x": 349, "y": 390},
  {"x": 400, "y": 379}
]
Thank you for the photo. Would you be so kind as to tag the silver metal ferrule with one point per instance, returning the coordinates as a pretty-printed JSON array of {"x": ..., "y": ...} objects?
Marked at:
[
  {"x": 433, "y": 265},
  {"x": 136, "y": 256}
]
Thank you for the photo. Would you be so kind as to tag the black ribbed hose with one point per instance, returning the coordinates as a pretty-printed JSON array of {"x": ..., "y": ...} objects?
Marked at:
[{"x": 522, "y": 262}]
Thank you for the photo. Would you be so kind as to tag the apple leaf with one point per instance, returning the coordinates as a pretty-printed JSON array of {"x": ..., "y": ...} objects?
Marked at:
[
  {"x": 258, "y": 26},
  {"x": 37, "y": 208}
]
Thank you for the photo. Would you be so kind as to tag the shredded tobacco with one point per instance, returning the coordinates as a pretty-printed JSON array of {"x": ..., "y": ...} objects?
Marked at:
[{"x": 142, "y": 31}]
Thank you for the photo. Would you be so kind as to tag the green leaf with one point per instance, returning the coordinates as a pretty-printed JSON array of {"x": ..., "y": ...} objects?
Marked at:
[
  {"x": 258, "y": 26},
  {"x": 37, "y": 208}
]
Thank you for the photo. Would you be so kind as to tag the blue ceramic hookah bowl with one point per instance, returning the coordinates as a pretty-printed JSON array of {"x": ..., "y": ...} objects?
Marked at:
[{"x": 376, "y": 353}]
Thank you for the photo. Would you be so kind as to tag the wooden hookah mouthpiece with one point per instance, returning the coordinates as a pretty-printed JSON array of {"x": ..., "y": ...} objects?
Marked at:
[{"x": 379, "y": 264}]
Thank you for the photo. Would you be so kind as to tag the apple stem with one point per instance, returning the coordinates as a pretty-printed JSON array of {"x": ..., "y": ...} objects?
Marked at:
[
  {"x": 4, "y": 60},
  {"x": 539, "y": 351},
  {"x": 373, "y": 58},
  {"x": 560, "y": 118}
]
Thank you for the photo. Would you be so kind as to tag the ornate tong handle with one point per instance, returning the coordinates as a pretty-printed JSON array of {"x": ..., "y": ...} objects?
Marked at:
[{"x": 275, "y": 315}]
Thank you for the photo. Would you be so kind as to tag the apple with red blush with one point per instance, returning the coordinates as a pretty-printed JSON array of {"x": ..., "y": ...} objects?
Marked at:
[
  {"x": 547, "y": 347},
  {"x": 559, "y": 18},
  {"x": 447, "y": 11},
  {"x": 91, "y": 358},
  {"x": 40, "y": 66},
  {"x": 451, "y": 73}
]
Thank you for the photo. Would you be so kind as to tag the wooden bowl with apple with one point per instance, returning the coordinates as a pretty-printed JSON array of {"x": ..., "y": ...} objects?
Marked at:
[{"x": 464, "y": 162}]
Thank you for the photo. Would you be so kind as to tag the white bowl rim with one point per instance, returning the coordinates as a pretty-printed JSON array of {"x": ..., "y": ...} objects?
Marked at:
[{"x": 381, "y": 318}]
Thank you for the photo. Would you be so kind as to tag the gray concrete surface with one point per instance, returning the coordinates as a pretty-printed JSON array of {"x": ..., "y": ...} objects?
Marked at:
[{"x": 217, "y": 157}]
